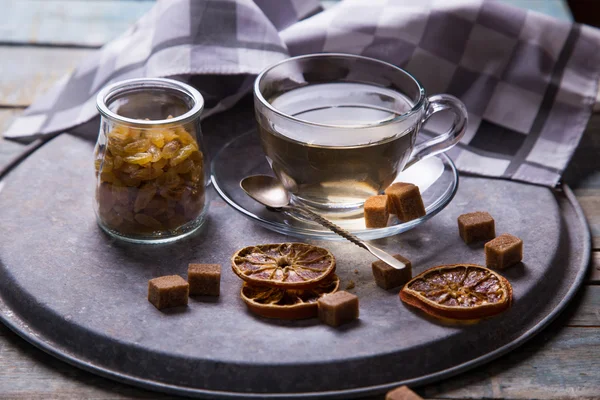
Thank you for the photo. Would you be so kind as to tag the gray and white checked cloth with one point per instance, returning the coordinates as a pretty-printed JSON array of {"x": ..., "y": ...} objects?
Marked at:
[{"x": 529, "y": 81}]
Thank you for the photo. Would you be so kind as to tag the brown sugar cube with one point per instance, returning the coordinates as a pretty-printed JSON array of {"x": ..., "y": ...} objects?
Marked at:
[
  {"x": 476, "y": 226},
  {"x": 391, "y": 204},
  {"x": 168, "y": 291},
  {"x": 391, "y": 208},
  {"x": 504, "y": 251},
  {"x": 402, "y": 393},
  {"x": 376, "y": 212},
  {"x": 387, "y": 277},
  {"x": 338, "y": 308},
  {"x": 204, "y": 279},
  {"x": 406, "y": 200}
]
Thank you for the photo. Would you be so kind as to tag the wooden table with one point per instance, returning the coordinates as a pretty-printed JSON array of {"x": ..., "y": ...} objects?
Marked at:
[{"x": 42, "y": 40}]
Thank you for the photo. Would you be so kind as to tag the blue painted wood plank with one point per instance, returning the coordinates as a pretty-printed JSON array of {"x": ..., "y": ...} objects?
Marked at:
[
  {"x": 28, "y": 72},
  {"x": 554, "y": 8},
  {"x": 94, "y": 22},
  {"x": 74, "y": 22}
]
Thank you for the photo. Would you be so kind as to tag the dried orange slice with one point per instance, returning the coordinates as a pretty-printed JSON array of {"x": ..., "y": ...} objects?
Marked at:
[
  {"x": 284, "y": 265},
  {"x": 274, "y": 302},
  {"x": 459, "y": 291}
]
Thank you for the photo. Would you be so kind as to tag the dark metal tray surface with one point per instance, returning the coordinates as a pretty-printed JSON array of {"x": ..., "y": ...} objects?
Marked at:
[{"x": 78, "y": 294}]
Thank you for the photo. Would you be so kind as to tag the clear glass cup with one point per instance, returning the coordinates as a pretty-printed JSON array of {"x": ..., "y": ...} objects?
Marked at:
[
  {"x": 151, "y": 167},
  {"x": 338, "y": 128}
]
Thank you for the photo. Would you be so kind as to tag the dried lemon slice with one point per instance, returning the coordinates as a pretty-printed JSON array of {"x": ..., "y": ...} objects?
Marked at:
[
  {"x": 459, "y": 291},
  {"x": 285, "y": 265},
  {"x": 274, "y": 302}
]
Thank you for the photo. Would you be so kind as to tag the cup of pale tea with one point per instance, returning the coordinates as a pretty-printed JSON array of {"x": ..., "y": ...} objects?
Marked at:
[{"x": 338, "y": 128}]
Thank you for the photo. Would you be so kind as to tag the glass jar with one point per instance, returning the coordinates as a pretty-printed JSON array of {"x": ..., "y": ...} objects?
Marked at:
[{"x": 150, "y": 163}]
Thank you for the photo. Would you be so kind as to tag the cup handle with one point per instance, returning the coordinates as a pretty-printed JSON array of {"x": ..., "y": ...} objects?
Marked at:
[{"x": 445, "y": 141}]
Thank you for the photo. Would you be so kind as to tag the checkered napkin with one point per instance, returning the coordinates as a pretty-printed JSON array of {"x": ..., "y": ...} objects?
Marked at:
[{"x": 529, "y": 81}]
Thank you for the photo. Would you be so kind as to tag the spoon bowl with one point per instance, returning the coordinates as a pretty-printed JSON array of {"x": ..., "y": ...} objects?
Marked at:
[{"x": 266, "y": 190}]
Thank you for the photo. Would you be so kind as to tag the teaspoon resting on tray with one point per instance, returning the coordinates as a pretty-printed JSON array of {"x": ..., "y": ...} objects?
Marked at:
[{"x": 268, "y": 191}]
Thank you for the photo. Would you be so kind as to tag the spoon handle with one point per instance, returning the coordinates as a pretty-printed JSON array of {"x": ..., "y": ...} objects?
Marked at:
[
  {"x": 330, "y": 225},
  {"x": 377, "y": 252}
]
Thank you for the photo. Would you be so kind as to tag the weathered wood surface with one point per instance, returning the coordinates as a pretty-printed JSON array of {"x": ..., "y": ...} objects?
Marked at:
[
  {"x": 584, "y": 309},
  {"x": 30, "y": 374},
  {"x": 8, "y": 149},
  {"x": 590, "y": 203},
  {"x": 583, "y": 174},
  {"x": 594, "y": 275},
  {"x": 28, "y": 72},
  {"x": 58, "y": 22},
  {"x": 559, "y": 363}
]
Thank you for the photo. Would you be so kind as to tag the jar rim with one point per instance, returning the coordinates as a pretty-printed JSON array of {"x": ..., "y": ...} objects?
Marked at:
[{"x": 109, "y": 92}]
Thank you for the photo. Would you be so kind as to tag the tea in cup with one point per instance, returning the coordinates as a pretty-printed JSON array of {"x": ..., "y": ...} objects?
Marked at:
[{"x": 337, "y": 129}]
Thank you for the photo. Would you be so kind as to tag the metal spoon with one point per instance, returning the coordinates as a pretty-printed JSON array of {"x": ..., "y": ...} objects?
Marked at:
[{"x": 268, "y": 191}]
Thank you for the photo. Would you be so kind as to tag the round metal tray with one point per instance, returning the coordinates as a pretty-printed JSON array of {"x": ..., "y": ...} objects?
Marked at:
[{"x": 80, "y": 295}]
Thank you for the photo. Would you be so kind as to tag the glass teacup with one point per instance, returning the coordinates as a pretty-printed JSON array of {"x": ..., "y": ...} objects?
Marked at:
[{"x": 337, "y": 128}]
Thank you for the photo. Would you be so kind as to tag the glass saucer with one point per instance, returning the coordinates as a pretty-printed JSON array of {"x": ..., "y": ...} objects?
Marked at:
[{"x": 436, "y": 178}]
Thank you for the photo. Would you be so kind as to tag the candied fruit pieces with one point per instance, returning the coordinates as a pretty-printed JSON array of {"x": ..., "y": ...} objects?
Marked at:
[
  {"x": 129, "y": 168},
  {"x": 160, "y": 164},
  {"x": 129, "y": 180},
  {"x": 139, "y": 158},
  {"x": 170, "y": 149},
  {"x": 184, "y": 136},
  {"x": 124, "y": 212},
  {"x": 145, "y": 194},
  {"x": 121, "y": 194},
  {"x": 170, "y": 179},
  {"x": 114, "y": 220},
  {"x": 107, "y": 164},
  {"x": 148, "y": 221},
  {"x": 116, "y": 148},
  {"x": 184, "y": 167},
  {"x": 155, "y": 152},
  {"x": 156, "y": 207},
  {"x": 156, "y": 138},
  {"x": 141, "y": 174},
  {"x": 117, "y": 162},
  {"x": 149, "y": 179},
  {"x": 137, "y": 146},
  {"x": 169, "y": 135},
  {"x": 196, "y": 174},
  {"x": 108, "y": 177},
  {"x": 120, "y": 132},
  {"x": 182, "y": 155},
  {"x": 175, "y": 193},
  {"x": 105, "y": 198},
  {"x": 197, "y": 157}
]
